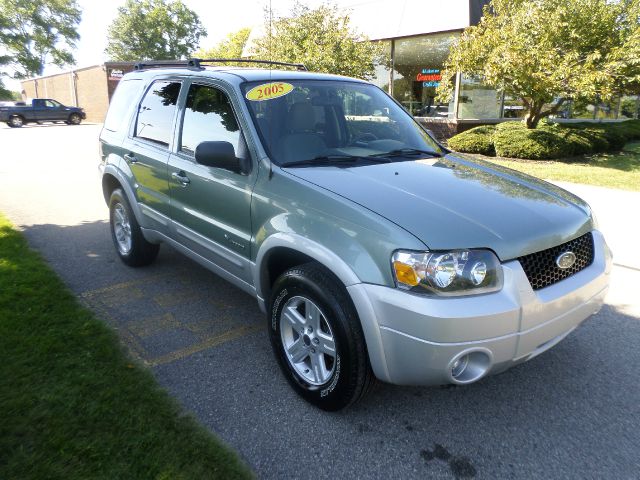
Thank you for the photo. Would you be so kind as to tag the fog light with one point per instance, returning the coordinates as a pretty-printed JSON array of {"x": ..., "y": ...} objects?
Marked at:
[{"x": 459, "y": 366}]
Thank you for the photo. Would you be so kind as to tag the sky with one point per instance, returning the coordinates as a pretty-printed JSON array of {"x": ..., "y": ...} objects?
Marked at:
[{"x": 219, "y": 17}]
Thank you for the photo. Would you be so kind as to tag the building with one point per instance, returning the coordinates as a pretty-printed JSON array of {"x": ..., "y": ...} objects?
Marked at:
[
  {"x": 417, "y": 36},
  {"x": 90, "y": 88}
]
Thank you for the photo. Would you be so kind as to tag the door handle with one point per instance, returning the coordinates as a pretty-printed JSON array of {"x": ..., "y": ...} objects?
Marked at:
[
  {"x": 181, "y": 177},
  {"x": 130, "y": 158}
]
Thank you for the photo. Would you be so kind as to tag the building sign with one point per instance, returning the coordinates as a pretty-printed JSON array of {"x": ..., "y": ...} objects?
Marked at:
[
  {"x": 115, "y": 74},
  {"x": 430, "y": 77}
]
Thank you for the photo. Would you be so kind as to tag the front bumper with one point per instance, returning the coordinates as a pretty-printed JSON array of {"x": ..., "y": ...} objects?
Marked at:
[{"x": 415, "y": 340}]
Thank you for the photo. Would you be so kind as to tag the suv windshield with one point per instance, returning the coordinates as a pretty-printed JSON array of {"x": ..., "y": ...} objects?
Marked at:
[{"x": 303, "y": 120}]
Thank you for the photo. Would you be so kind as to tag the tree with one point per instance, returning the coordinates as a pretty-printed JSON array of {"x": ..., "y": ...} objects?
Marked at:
[
  {"x": 231, "y": 47},
  {"x": 546, "y": 52},
  {"x": 35, "y": 33},
  {"x": 320, "y": 38},
  {"x": 154, "y": 30}
]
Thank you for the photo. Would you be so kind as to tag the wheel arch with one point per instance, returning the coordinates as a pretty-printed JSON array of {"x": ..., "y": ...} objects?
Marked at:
[{"x": 112, "y": 178}]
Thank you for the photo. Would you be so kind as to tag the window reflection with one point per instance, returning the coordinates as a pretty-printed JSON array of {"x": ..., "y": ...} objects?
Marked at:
[{"x": 208, "y": 116}]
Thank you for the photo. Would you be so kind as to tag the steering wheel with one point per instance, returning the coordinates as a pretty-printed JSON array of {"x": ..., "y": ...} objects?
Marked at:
[{"x": 364, "y": 138}]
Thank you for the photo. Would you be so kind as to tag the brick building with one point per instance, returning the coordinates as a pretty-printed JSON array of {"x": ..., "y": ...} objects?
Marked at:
[{"x": 90, "y": 88}]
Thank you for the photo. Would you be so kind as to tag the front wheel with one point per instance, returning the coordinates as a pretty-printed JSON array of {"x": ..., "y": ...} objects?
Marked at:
[
  {"x": 74, "y": 119},
  {"x": 131, "y": 246},
  {"x": 317, "y": 338}
]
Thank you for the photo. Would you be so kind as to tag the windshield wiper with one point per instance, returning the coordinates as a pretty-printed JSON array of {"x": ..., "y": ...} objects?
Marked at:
[
  {"x": 403, "y": 152},
  {"x": 335, "y": 160}
]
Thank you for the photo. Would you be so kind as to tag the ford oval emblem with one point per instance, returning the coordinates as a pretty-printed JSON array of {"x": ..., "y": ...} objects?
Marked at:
[{"x": 566, "y": 260}]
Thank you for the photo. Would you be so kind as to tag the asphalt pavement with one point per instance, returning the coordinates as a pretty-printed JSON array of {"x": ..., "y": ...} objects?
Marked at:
[{"x": 573, "y": 412}]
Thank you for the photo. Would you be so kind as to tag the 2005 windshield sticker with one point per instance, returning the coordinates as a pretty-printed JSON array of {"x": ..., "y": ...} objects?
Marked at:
[{"x": 268, "y": 91}]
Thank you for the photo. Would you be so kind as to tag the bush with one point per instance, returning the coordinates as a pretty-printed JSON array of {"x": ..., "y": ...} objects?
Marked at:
[
  {"x": 549, "y": 140},
  {"x": 477, "y": 140},
  {"x": 536, "y": 144}
]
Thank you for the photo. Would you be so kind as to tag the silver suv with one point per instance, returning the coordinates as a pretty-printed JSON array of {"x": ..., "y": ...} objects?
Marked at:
[{"x": 373, "y": 251}]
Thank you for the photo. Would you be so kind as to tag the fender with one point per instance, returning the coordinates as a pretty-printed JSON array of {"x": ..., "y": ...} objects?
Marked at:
[
  {"x": 346, "y": 275},
  {"x": 114, "y": 171}
]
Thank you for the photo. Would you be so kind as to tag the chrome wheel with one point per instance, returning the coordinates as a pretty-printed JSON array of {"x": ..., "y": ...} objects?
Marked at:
[
  {"x": 308, "y": 341},
  {"x": 122, "y": 228}
]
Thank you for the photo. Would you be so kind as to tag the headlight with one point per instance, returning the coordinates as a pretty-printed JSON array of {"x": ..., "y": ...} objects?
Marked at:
[{"x": 458, "y": 272}]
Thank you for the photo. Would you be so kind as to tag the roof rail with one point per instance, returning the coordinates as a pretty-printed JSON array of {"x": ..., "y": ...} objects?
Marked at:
[
  {"x": 191, "y": 63},
  {"x": 197, "y": 63},
  {"x": 299, "y": 66}
]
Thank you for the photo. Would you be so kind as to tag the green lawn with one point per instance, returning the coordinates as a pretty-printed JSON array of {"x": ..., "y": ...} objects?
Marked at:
[
  {"x": 72, "y": 406},
  {"x": 614, "y": 170}
]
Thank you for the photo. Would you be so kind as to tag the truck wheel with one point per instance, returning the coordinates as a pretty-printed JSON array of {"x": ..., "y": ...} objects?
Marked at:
[
  {"x": 16, "y": 121},
  {"x": 131, "y": 246},
  {"x": 317, "y": 338},
  {"x": 74, "y": 119}
]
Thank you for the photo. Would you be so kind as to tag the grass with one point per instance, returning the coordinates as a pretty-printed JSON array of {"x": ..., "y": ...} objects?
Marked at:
[
  {"x": 72, "y": 405},
  {"x": 614, "y": 170}
]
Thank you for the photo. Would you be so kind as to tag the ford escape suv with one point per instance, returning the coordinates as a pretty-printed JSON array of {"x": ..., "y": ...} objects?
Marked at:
[{"x": 373, "y": 251}]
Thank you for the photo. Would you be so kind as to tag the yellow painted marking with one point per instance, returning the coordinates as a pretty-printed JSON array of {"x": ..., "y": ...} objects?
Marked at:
[
  {"x": 210, "y": 342},
  {"x": 151, "y": 325},
  {"x": 173, "y": 298}
]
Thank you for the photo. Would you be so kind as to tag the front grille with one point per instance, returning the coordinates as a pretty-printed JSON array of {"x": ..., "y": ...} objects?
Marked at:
[{"x": 541, "y": 268}]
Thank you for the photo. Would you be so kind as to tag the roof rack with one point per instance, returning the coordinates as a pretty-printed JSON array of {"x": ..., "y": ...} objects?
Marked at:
[{"x": 197, "y": 63}]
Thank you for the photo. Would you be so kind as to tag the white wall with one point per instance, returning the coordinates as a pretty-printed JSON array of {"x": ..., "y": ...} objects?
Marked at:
[{"x": 380, "y": 19}]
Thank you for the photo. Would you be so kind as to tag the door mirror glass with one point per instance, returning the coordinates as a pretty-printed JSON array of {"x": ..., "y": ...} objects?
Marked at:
[{"x": 218, "y": 155}]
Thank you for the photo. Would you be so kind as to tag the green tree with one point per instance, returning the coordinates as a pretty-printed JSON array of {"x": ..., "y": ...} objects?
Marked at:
[
  {"x": 154, "y": 30},
  {"x": 546, "y": 52},
  {"x": 35, "y": 33},
  {"x": 322, "y": 39},
  {"x": 230, "y": 47}
]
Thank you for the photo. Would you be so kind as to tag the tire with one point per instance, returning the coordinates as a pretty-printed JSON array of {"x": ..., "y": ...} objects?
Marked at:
[
  {"x": 302, "y": 344},
  {"x": 74, "y": 119},
  {"x": 131, "y": 246},
  {"x": 16, "y": 121}
]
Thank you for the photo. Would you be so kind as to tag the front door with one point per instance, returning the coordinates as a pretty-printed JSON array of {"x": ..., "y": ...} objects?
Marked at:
[{"x": 211, "y": 206}]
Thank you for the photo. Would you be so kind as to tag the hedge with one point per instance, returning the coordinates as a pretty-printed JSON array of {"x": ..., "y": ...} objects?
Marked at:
[{"x": 549, "y": 140}]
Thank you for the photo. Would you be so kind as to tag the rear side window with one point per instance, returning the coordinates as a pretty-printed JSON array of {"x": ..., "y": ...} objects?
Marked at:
[
  {"x": 155, "y": 115},
  {"x": 124, "y": 95},
  {"x": 208, "y": 116}
]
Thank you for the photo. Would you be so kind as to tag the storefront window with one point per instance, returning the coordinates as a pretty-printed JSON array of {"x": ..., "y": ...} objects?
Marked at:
[
  {"x": 629, "y": 107},
  {"x": 477, "y": 100},
  {"x": 418, "y": 63},
  {"x": 513, "y": 107}
]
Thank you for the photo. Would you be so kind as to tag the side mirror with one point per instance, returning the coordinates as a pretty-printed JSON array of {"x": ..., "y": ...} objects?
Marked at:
[{"x": 219, "y": 155}]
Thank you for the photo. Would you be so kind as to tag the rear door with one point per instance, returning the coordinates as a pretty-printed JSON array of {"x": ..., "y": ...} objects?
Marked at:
[
  {"x": 146, "y": 150},
  {"x": 211, "y": 206}
]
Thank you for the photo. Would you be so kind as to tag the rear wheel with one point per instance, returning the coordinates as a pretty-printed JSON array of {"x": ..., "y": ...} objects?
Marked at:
[
  {"x": 131, "y": 246},
  {"x": 74, "y": 119},
  {"x": 317, "y": 338},
  {"x": 16, "y": 121}
]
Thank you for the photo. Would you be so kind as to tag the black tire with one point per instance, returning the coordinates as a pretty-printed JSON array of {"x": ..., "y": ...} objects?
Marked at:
[
  {"x": 16, "y": 121},
  {"x": 139, "y": 252},
  {"x": 351, "y": 378},
  {"x": 74, "y": 119}
]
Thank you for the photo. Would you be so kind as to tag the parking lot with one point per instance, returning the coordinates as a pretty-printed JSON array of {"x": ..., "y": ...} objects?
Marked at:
[{"x": 572, "y": 412}]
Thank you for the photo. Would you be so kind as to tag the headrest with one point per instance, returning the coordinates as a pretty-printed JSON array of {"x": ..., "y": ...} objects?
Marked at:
[{"x": 301, "y": 117}]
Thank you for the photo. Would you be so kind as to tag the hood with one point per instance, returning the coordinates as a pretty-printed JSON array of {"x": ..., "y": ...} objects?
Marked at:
[{"x": 455, "y": 202}]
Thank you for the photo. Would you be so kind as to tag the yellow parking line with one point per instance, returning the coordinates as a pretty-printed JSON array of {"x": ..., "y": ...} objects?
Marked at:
[{"x": 208, "y": 343}]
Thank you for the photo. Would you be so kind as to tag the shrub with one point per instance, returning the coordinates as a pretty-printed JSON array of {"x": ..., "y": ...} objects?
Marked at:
[
  {"x": 537, "y": 144},
  {"x": 477, "y": 140},
  {"x": 549, "y": 140}
]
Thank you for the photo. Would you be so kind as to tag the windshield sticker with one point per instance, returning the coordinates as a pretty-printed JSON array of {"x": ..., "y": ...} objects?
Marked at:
[{"x": 268, "y": 91}]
